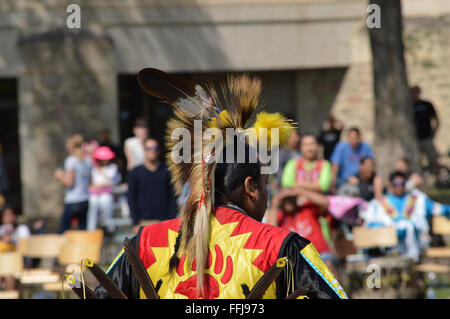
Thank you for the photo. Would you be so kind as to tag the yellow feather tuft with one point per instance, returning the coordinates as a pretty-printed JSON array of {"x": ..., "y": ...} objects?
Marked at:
[
  {"x": 224, "y": 120},
  {"x": 273, "y": 120}
]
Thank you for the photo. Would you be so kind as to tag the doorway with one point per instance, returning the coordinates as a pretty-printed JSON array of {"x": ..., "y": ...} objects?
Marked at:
[{"x": 10, "y": 182}]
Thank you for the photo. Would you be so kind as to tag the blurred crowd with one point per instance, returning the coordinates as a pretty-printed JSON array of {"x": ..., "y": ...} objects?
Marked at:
[{"x": 325, "y": 186}]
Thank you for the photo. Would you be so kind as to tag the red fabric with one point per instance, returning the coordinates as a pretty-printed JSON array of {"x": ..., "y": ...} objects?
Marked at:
[
  {"x": 302, "y": 175},
  {"x": 263, "y": 236},
  {"x": 155, "y": 235},
  {"x": 305, "y": 222}
]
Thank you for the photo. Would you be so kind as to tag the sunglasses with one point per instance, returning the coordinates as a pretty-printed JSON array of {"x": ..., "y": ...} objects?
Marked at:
[
  {"x": 151, "y": 148},
  {"x": 395, "y": 184}
]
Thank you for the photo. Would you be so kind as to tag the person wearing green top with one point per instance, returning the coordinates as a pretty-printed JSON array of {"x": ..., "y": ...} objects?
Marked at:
[{"x": 309, "y": 171}]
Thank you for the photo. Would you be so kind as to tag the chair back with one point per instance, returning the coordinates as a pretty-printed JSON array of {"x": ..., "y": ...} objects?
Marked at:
[
  {"x": 9, "y": 294},
  {"x": 441, "y": 225},
  {"x": 41, "y": 246},
  {"x": 81, "y": 244},
  {"x": 11, "y": 264},
  {"x": 365, "y": 237}
]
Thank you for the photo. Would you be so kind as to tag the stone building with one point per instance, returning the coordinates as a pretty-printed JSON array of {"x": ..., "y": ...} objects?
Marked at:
[{"x": 312, "y": 55}]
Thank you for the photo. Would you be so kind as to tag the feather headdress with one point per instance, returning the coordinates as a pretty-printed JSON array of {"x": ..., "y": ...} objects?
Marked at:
[{"x": 195, "y": 110}]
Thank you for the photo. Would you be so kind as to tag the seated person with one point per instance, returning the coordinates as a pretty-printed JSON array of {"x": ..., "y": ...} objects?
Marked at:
[
  {"x": 9, "y": 227},
  {"x": 413, "y": 180},
  {"x": 408, "y": 212},
  {"x": 309, "y": 171},
  {"x": 347, "y": 156},
  {"x": 10, "y": 233},
  {"x": 368, "y": 181},
  {"x": 299, "y": 211}
]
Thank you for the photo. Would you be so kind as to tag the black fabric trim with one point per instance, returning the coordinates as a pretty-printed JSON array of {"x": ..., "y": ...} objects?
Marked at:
[
  {"x": 283, "y": 253},
  {"x": 233, "y": 208},
  {"x": 138, "y": 238},
  {"x": 284, "y": 244}
]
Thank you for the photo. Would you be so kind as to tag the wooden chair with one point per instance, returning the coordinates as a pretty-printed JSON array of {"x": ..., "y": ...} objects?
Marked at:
[
  {"x": 9, "y": 294},
  {"x": 395, "y": 268},
  {"x": 365, "y": 237},
  {"x": 80, "y": 244},
  {"x": 11, "y": 264},
  {"x": 441, "y": 225},
  {"x": 437, "y": 258},
  {"x": 40, "y": 246}
]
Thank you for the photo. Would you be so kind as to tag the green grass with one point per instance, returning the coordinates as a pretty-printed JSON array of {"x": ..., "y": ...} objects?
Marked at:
[
  {"x": 440, "y": 195},
  {"x": 442, "y": 293}
]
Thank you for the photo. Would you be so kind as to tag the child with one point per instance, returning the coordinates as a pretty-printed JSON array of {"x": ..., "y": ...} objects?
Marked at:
[
  {"x": 104, "y": 176},
  {"x": 299, "y": 210}
]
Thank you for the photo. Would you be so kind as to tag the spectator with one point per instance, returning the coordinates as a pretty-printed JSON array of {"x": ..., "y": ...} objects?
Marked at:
[
  {"x": 75, "y": 178},
  {"x": 369, "y": 183},
  {"x": 308, "y": 171},
  {"x": 150, "y": 193},
  {"x": 104, "y": 176},
  {"x": 330, "y": 135},
  {"x": 413, "y": 183},
  {"x": 10, "y": 233},
  {"x": 311, "y": 173},
  {"x": 10, "y": 230},
  {"x": 291, "y": 151},
  {"x": 347, "y": 156},
  {"x": 105, "y": 140},
  {"x": 299, "y": 210},
  {"x": 88, "y": 148},
  {"x": 408, "y": 212},
  {"x": 413, "y": 180},
  {"x": 427, "y": 124},
  {"x": 134, "y": 146}
]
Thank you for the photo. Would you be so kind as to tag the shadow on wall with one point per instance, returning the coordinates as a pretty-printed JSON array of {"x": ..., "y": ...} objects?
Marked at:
[
  {"x": 180, "y": 36},
  {"x": 315, "y": 94}
]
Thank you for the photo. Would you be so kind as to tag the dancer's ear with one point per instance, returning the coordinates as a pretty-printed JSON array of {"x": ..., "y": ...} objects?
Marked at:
[{"x": 250, "y": 187}]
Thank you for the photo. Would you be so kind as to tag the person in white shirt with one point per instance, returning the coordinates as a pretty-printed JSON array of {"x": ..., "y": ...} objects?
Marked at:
[
  {"x": 104, "y": 176},
  {"x": 10, "y": 228},
  {"x": 10, "y": 233},
  {"x": 134, "y": 146},
  {"x": 75, "y": 179}
]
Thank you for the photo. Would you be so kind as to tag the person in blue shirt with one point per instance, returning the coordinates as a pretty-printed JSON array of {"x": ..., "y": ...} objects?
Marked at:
[
  {"x": 409, "y": 212},
  {"x": 347, "y": 156}
]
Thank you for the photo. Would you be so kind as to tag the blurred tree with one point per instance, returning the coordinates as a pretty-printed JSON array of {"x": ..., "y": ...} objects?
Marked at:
[{"x": 394, "y": 117}]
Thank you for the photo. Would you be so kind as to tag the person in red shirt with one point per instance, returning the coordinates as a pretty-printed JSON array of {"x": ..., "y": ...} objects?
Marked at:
[{"x": 299, "y": 210}]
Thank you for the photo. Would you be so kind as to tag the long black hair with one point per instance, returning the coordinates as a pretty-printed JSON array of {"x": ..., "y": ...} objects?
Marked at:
[
  {"x": 229, "y": 182},
  {"x": 229, "y": 177}
]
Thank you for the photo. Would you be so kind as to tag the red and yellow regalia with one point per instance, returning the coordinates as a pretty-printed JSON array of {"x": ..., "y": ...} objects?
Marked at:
[{"x": 237, "y": 242}]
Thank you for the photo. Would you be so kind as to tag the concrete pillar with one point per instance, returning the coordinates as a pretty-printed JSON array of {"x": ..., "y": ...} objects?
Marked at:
[{"x": 69, "y": 86}]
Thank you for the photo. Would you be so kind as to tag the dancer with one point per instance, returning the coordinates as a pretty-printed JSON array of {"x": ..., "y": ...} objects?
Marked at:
[{"x": 219, "y": 248}]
